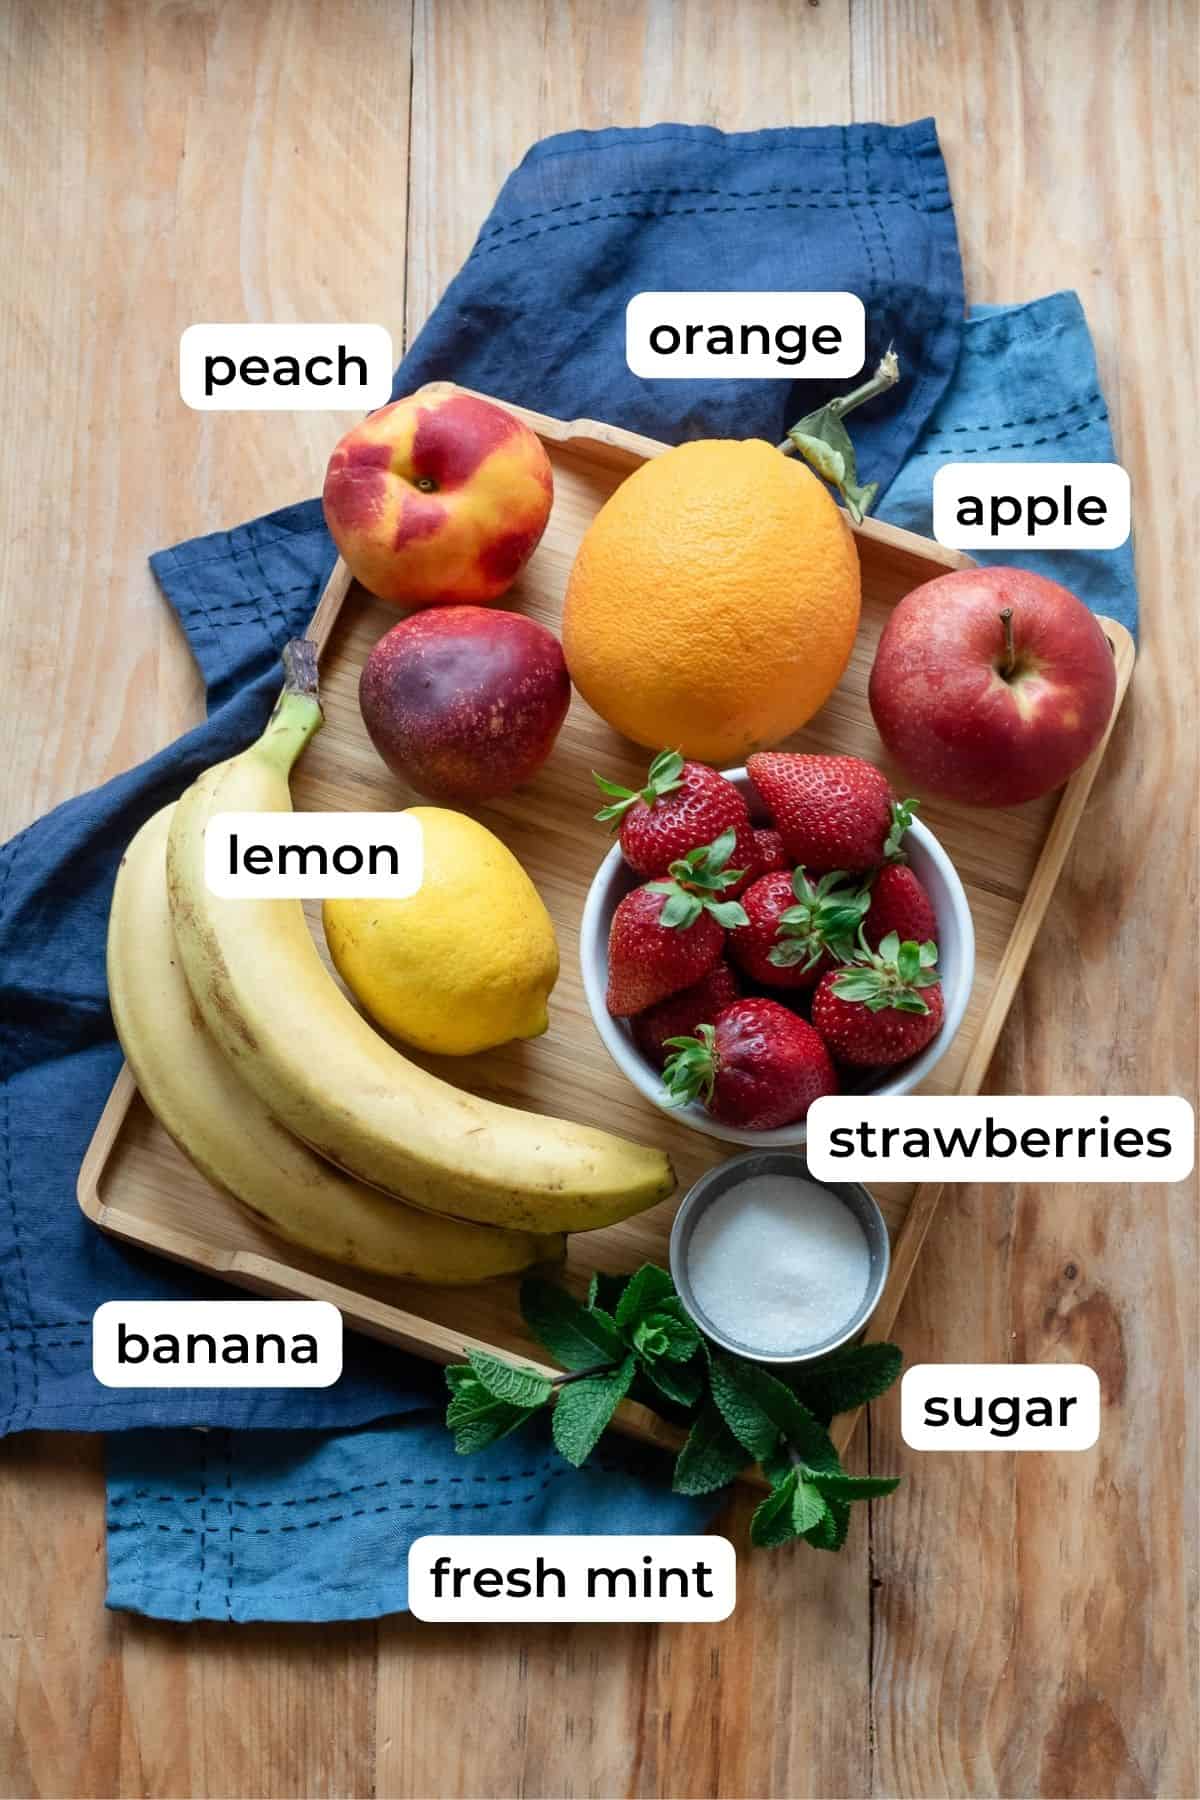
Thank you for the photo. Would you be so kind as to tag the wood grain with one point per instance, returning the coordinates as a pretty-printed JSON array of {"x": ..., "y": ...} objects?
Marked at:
[{"x": 1008, "y": 1625}]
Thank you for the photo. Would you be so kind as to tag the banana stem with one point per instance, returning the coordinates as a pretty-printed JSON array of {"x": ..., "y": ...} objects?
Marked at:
[
  {"x": 300, "y": 667},
  {"x": 297, "y": 716}
]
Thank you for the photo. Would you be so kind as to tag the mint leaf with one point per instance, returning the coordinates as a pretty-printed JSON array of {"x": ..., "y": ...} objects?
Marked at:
[
  {"x": 835, "y": 1484},
  {"x": 759, "y": 1408},
  {"x": 643, "y": 1293},
  {"x": 650, "y": 1340},
  {"x": 750, "y": 1424},
  {"x": 681, "y": 1384},
  {"x": 577, "y": 1336},
  {"x": 504, "y": 1381},
  {"x": 477, "y": 1419},
  {"x": 675, "y": 1336},
  {"x": 771, "y": 1523},
  {"x": 585, "y": 1408},
  {"x": 829, "y": 1533},
  {"x": 849, "y": 1378},
  {"x": 808, "y": 1506},
  {"x": 710, "y": 1458}
]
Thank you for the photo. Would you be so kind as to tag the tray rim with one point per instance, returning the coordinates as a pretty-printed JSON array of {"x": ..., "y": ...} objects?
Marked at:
[{"x": 249, "y": 1269}]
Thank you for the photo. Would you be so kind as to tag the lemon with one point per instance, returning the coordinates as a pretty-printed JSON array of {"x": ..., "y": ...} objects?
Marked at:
[{"x": 467, "y": 962}]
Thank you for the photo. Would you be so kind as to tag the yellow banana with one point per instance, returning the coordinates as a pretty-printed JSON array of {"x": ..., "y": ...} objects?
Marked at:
[
  {"x": 320, "y": 1068},
  {"x": 228, "y": 1133}
]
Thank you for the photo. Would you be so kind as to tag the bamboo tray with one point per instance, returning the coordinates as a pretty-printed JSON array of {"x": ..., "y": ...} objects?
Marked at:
[{"x": 137, "y": 1185}]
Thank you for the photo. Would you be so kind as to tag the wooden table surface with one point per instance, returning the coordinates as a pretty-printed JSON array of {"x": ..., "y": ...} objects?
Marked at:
[{"x": 1013, "y": 1625}]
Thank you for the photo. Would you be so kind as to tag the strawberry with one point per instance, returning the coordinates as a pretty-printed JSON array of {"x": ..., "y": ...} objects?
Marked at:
[
  {"x": 680, "y": 1014},
  {"x": 899, "y": 903},
  {"x": 757, "y": 1066},
  {"x": 797, "y": 929},
  {"x": 666, "y": 935},
  {"x": 884, "y": 1008},
  {"x": 832, "y": 812},
  {"x": 769, "y": 853},
  {"x": 682, "y": 804}
]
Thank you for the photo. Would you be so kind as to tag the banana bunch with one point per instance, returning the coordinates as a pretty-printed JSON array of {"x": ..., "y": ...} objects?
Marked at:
[
  {"x": 262, "y": 1070},
  {"x": 224, "y": 1128}
]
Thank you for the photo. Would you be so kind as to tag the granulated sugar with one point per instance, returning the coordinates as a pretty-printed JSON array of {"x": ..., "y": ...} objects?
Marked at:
[{"x": 778, "y": 1263}]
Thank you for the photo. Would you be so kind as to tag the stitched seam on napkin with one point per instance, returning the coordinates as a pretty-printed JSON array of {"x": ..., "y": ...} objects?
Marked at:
[
  {"x": 866, "y": 190},
  {"x": 45, "y": 1325},
  {"x": 669, "y": 212},
  {"x": 861, "y": 229},
  {"x": 358, "y": 1487},
  {"x": 205, "y": 1530},
  {"x": 872, "y": 195},
  {"x": 1012, "y": 424},
  {"x": 35, "y": 1350},
  {"x": 229, "y": 1509},
  {"x": 781, "y": 135},
  {"x": 275, "y": 595},
  {"x": 203, "y": 1526},
  {"x": 250, "y": 602},
  {"x": 186, "y": 563},
  {"x": 1053, "y": 437}
]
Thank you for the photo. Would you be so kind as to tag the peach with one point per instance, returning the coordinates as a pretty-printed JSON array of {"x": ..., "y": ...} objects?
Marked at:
[{"x": 438, "y": 498}]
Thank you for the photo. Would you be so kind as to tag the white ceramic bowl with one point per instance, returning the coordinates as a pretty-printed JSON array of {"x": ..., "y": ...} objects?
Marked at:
[{"x": 956, "y": 965}]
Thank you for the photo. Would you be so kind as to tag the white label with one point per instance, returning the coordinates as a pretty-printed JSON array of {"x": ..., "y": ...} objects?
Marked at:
[
  {"x": 314, "y": 856},
  {"x": 1000, "y": 1406},
  {"x": 474, "y": 1579},
  {"x": 285, "y": 368},
  {"x": 685, "y": 336},
  {"x": 1012, "y": 1137},
  {"x": 1020, "y": 506},
  {"x": 217, "y": 1343}
]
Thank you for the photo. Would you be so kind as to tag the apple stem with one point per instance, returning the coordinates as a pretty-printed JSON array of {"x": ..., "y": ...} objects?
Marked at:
[{"x": 1010, "y": 649}]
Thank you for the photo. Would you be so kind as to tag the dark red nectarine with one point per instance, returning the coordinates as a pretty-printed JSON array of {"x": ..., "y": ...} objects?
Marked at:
[{"x": 465, "y": 702}]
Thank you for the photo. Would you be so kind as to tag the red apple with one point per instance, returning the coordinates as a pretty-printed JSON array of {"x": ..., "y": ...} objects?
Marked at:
[
  {"x": 438, "y": 498},
  {"x": 463, "y": 702},
  {"x": 991, "y": 685}
]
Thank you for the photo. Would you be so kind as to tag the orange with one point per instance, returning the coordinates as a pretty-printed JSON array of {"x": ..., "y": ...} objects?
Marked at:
[{"x": 714, "y": 601}]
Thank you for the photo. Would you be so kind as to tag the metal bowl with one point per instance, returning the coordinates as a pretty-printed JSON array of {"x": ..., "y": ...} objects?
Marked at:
[{"x": 778, "y": 1162}]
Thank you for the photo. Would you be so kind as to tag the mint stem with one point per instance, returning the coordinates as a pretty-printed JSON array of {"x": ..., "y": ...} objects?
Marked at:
[
  {"x": 581, "y": 1374},
  {"x": 886, "y": 376}
]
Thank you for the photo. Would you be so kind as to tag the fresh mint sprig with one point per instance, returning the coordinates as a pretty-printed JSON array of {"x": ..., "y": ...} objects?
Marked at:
[{"x": 632, "y": 1337}]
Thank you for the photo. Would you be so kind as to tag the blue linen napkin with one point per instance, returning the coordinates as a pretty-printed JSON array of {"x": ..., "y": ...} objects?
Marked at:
[
  {"x": 317, "y": 1525},
  {"x": 1026, "y": 389}
]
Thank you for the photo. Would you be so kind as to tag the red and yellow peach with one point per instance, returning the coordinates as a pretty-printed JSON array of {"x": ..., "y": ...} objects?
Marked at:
[{"x": 438, "y": 498}]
